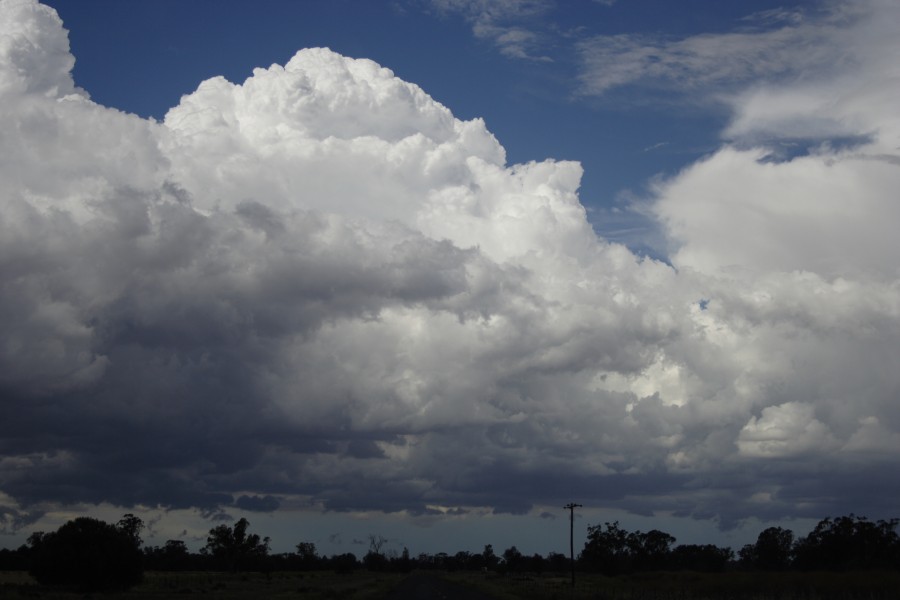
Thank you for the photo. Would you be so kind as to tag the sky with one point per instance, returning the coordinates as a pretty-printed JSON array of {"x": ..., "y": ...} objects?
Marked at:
[{"x": 432, "y": 269}]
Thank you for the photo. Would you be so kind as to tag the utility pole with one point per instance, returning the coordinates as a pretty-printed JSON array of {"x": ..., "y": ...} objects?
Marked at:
[{"x": 571, "y": 508}]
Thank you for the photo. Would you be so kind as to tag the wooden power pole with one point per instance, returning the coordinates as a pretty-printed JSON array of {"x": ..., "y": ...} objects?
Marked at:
[{"x": 571, "y": 508}]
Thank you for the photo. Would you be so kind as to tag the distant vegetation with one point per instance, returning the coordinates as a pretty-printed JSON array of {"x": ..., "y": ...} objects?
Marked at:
[
  {"x": 842, "y": 544},
  {"x": 86, "y": 554}
]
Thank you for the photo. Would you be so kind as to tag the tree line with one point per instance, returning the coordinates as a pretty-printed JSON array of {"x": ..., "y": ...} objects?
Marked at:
[
  {"x": 842, "y": 544},
  {"x": 90, "y": 554}
]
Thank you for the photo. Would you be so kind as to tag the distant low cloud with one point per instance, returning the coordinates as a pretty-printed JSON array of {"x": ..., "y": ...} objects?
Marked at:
[
  {"x": 257, "y": 503},
  {"x": 318, "y": 288},
  {"x": 12, "y": 519}
]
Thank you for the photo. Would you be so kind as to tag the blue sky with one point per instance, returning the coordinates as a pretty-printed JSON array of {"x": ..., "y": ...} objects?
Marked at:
[
  {"x": 142, "y": 56},
  {"x": 638, "y": 255}
]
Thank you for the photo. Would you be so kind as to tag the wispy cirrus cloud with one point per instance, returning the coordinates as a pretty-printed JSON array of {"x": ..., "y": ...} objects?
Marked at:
[
  {"x": 505, "y": 23},
  {"x": 719, "y": 61}
]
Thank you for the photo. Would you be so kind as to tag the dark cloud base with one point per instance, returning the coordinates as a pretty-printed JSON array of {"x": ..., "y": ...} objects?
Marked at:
[{"x": 319, "y": 290}]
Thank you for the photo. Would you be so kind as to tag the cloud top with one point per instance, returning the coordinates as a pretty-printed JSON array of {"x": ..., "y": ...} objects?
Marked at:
[
  {"x": 34, "y": 57},
  {"x": 318, "y": 287}
]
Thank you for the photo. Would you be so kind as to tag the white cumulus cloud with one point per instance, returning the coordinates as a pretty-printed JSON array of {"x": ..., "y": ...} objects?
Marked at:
[{"x": 319, "y": 287}]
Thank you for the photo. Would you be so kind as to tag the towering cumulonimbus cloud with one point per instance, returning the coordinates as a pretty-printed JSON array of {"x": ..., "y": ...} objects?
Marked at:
[{"x": 319, "y": 287}]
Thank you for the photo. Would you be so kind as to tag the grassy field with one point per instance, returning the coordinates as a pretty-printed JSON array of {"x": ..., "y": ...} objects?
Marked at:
[
  {"x": 324, "y": 585},
  {"x": 689, "y": 586},
  {"x": 362, "y": 585}
]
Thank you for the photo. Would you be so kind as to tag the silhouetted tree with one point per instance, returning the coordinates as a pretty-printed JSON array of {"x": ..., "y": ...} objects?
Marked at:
[
  {"x": 131, "y": 526},
  {"x": 849, "y": 542},
  {"x": 233, "y": 549},
  {"x": 488, "y": 557},
  {"x": 771, "y": 552},
  {"x": 87, "y": 553},
  {"x": 707, "y": 558},
  {"x": 557, "y": 562},
  {"x": 606, "y": 549},
  {"x": 375, "y": 562},
  {"x": 404, "y": 563},
  {"x": 375, "y": 559},
  {"x": 536, "y": 564},
  {"x": 612, "y": 550},
  {"x": 513, "y": 559},
  {"x": 173, "y": 556},
  {"x": 459, "y": 561},
  {"x": 649, "y": 551},
  {"x": 344, "y": 563},
  {"x": 306, "y": 553},
  {"x": 14, "y": 560}
]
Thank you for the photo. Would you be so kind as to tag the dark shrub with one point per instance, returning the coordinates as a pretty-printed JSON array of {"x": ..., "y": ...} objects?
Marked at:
[{"x": 88, "y": 554}]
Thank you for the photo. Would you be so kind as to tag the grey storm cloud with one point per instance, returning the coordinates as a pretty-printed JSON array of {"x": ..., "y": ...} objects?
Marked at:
[
  {"x": 257, "y": 503},
  {"x": 320, "y": 288}
]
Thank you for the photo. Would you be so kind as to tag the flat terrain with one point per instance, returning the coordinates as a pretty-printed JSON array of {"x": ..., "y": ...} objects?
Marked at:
[
  {"x": 359, "y": 585},
  {"x": 429, "y": 586},
  {"x": 419, "y": 585}
]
